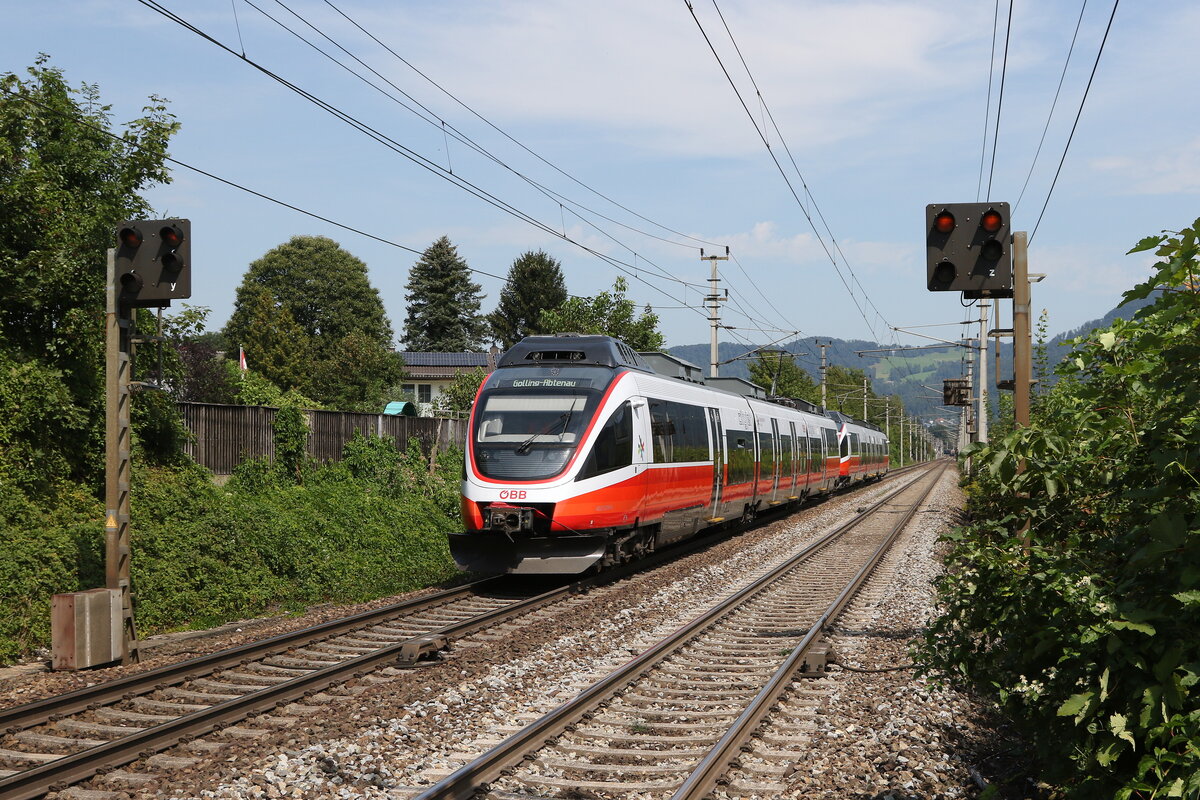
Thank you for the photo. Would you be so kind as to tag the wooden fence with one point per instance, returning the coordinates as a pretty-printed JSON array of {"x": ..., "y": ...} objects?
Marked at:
[{"x": 224, "y": 436}]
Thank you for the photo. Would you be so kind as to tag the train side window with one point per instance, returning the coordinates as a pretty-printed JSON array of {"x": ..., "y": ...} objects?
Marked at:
[
  {"x": 740, "y": 456},
  {"x": 614, "y": 444},
  {"x": 766, "y": 455}
]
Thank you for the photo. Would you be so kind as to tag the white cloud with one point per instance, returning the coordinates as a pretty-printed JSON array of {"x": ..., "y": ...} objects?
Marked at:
[{"x": 1157, "y": 171}]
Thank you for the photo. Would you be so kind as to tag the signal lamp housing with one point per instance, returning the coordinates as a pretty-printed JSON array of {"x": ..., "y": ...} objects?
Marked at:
[
  {"x": 153, "y": 262},
  {"x": 967, "y": 249}
]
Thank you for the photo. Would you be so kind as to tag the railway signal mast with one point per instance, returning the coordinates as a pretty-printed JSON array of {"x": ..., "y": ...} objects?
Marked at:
[
  {"x": 970, "y": 248},
  {"x": 150, "y": 266}
]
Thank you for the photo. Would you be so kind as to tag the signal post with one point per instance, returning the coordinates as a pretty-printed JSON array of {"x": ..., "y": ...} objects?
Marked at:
[{"x": 150, "y": 266}]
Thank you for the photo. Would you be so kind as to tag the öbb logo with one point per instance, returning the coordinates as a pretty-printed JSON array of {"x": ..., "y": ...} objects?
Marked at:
[{"x": 513, "y": 494}]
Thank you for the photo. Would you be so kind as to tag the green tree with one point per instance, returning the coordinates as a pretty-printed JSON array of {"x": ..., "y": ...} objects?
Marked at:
[
  {"x": 460, "y": 394},
  {"x": 443, "y": 303},
  {"x": 276, "y": 347},
  {"x": 65, "y": 179},
  {"x": 607, "y": 314},
  {"x": 358, "y": 375},
  {"x": 789, "y": 379},
  {"x": 324, "y": 288},
  {"x": 535, "y": 284}
]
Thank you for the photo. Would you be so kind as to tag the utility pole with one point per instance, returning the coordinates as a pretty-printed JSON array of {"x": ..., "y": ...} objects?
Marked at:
[
  {"x": 118, "y": 466},
  {"x": 981, "y": 416},
  {"x": 714, "y": 300},
  {"x": 972, "y": 420},
  {"x": 864, "y": 398},
  {"x": 1022, "y": 336},
  {"x": 823, "y": 346}
]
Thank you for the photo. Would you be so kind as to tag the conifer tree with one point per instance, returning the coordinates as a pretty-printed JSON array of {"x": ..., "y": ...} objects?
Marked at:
[
  {"x": 535, "y": 284},
  {"x": 276, "y": 347},
  {"x": 443, "y": 303}
]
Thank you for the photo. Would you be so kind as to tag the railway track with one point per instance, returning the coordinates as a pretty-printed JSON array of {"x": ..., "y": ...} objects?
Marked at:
[
  {"x": 672, "y": 721},
  {"x": 50, "y": 744}
]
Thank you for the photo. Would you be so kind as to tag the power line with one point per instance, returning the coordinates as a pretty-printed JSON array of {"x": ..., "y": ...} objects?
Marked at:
[
  {"x": 432, "y": 118},
  {"x": 1077, "y": 115},
  {"x": 987, "y": 109},
  {"x": 1000, "y": 102},
  {"x": 1053, "y": 104},
  {"x": 407, "y": 152},
  {"x": 775, "y": 160},
  {"x": 447, "y": 173},
  {"x": 506, "y": 135}
]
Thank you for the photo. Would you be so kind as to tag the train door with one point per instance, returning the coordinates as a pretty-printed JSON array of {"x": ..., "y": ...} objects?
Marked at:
[
  {"x": 776, "y": 465},
  {"x": 799, "y": 462},
  {"x": 718, "y": 457}
]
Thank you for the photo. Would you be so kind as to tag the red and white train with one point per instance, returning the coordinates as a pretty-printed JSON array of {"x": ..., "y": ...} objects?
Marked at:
[{"x": 579, "y": 455}]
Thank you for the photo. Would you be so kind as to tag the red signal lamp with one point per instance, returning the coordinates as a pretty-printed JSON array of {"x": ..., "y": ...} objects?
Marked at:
[
  {"x": 130, "y": 237},
  {"x": 171, "y": 235},
  {"x": 991, "y": 221},
  {"x": 944, "y": 222}
]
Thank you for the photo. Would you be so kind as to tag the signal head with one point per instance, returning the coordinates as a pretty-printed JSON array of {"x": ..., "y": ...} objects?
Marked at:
[
  {"x": 991, "y": 221},
  {"x": 944, "y": 222},
  {"x": 130, "y": 237},
  {"x": 171, "y": 236}
]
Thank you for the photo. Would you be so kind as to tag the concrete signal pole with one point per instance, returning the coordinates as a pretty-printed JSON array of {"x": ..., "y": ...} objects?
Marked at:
[
  {"x": 824, "y": 404},
  {"x": 714, "y": 300}
]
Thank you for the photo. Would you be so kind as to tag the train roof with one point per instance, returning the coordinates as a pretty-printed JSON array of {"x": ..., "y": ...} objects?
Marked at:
[
  {"x": 578, "y": 350},
  {"x": 839, "y": 418}
]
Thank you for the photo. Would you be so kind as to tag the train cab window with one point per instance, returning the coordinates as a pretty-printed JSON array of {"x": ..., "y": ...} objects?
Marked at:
[{"x": 614, "y": 445}]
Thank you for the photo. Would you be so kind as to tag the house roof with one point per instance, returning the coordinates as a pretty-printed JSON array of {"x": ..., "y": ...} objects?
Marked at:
[
  {"x": 424, "y": 359},
  {"x": 420, "y": 364}
]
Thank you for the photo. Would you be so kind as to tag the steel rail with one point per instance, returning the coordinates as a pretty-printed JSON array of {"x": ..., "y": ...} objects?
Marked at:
[
  {"x": 38, "y": 712},
  {"x": 86, "y": 763},
  {"x": 464, "y": 782},
  {"x": 707, "y": 773}
]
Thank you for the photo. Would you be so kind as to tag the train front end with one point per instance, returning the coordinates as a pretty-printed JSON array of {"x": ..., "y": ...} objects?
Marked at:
[{"x": 528, "y": 439}]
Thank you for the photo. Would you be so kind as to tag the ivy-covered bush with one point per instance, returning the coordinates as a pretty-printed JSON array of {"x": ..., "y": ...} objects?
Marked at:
[
  {"x": 1086, "y": 627},
  {"x": 276, "y": 537}
]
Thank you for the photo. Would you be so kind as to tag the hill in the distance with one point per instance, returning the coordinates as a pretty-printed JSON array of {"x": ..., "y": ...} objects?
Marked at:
[{"x": 916, "y": 375}]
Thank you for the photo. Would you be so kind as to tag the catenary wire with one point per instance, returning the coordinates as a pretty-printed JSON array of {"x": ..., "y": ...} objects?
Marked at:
[
  {"x": 778, "y": 166},
  {"x": 503, "y": 133},
  {"x": 1000, "y": 101},
  {"x": 436, "y": 120},
  {"x": 433, "y": 119},
  {"x": 1053, "y": 104},
  {"x": 795, "y": 166},
  {"x": 1078, "y": 113},
  {"x": 409, "y": 154},
  {"x": 987, "y": 109}
]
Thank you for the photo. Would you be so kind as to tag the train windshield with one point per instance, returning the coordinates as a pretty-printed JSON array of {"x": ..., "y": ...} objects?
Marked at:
[{"x": 529, "y": 420}]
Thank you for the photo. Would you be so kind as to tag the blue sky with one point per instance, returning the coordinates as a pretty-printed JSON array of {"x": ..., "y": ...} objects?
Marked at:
[{"x": 881, "y": 104}]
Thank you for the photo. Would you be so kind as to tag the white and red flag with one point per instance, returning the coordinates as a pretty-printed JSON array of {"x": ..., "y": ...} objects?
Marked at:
[{"x": 242, "y": 359}]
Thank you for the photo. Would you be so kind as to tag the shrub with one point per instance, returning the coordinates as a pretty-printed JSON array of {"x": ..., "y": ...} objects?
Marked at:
[{"x": 1085, "y": 630}]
